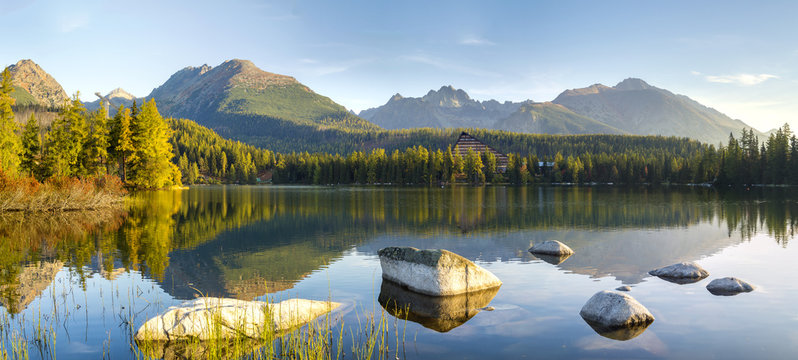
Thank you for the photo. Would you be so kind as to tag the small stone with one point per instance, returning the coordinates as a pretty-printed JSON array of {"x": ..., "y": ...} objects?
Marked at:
[
  {"x": 611, "y": 310},
  {"x": 434, "y": 272},
  {"x": 681, "y": 273},
  {"x": 551, "y": 247},
  {"x": 624, "y": 288},
  {"x": 729, "y": 286}
]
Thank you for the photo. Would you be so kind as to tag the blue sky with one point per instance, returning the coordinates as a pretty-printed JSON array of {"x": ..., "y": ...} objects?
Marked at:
[{"x": 738, "y": 57}]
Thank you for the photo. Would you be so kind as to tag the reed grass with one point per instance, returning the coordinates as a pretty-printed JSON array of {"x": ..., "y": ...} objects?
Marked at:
[{"x": 60, "y": 193}]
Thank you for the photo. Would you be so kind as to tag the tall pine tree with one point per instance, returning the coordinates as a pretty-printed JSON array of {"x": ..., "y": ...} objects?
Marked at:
[
  {"x": 31, "y": 147},
  {"x": 150, "y": 162},
  {"x": 9, "y": 141},
  {"x": 65, "y": 141}
]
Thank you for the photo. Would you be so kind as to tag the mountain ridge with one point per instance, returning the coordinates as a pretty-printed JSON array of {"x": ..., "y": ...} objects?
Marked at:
[
  {"x": 631, "y": 107},
  {"x": 37, "y": 84}
]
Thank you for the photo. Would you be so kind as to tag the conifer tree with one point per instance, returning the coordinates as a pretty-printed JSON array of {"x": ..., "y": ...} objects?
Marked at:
[
  {"x": 10, "y": 147},
  {"x": 65, "y": 140},
  {"x": 31, "y": 147},
  {"x": 150, "y": 161},
  {"x": 120, "y": 144},
  {"x": 95, "y": 150}
]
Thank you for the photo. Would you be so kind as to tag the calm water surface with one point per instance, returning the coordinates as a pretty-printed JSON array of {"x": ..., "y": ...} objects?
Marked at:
[{"x": 89, "y": 276}]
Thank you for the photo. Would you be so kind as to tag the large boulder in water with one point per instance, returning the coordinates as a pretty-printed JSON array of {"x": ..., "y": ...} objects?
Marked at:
[
  {"x": 209, "y": 318},
  {"x": 681, "y": 273},
  {"x": 434, "y": 272},
  {"x": 729, "y": 286},
  {"x": 616, "y": 315},
  {"x": 551, "y": 247},
  {"x": 439, "y": 313}
]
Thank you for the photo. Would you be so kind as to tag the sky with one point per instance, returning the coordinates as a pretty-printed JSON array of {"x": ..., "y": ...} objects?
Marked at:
[{"x": 739, "y": 57}]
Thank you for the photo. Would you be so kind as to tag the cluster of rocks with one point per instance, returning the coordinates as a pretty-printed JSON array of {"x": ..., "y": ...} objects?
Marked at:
[
  {"x": 690, "y": 272},
  {"x": 436, "y": 288}
]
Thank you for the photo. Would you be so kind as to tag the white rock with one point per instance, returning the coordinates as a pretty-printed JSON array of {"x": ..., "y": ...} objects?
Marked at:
[
  {"x": 551, "y": 247},
  {"x": 208, "y": 318},
  {"x": 434, "y": 272},
  {"x": 612, "y": 309},
  {"x": 682, "y": 273},
  {"x": 729, "y": 286}
]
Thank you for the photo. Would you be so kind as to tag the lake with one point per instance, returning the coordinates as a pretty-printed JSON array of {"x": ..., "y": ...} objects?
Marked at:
[{"x": 73, "y": 285}]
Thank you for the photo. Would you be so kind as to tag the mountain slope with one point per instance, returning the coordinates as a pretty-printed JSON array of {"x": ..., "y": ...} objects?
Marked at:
[
  {"x": 550, "y": 118},
  {"x": 215, "y": 95},
  {"x": 446, "y": 108},
  {"x": 639, "y": 108},
  {"x": 37, "y": 84}
]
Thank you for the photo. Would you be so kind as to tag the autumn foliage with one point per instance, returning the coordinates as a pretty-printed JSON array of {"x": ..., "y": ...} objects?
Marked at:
[{"x": 60, "y": 193}]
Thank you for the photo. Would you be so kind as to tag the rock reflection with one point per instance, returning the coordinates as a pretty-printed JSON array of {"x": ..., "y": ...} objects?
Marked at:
[
  {"x": 188, "y": 350},
  {"x": 619, "y": 333},
  {"x": 553, "y": 259},
  {"x": 439, "y": 313}
]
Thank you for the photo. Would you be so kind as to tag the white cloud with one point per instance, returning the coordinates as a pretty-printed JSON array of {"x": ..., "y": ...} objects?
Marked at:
[
  {"x": 696, "y": 73},
  {"x": 317, "y": 68},
  {"x": 71, "y": 22},
  {"x": 740, "y": 79},
  {"x": 448, "y": 65},
  {"x": 474, "y": 41}
]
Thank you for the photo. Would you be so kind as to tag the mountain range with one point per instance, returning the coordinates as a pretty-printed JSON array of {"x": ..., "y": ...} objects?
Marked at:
[
  {"x": 239, "y": 100},
  {"x": 631, "y": 107}
]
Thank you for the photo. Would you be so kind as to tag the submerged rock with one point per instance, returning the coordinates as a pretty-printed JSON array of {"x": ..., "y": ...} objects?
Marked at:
[
  {"x": 729, "y": 286},
  {"x": 209, "y": 318},
  {"x": 611, "y": 311},
  {"x": 551, "y": 247},
  {"x": 434, "y": 272},
  {"x": 624, "y": 288},
  {"x": 681, "y": 273},
  {"x": 439, "y": 313}
]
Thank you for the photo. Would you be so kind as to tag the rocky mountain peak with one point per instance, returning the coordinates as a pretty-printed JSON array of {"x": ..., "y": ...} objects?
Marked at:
[
  {"x": 42, "y": 86},
  {"x": 121, "y": 94},
  {"x": 630, "y": 84},
  {"x": 396, "y": 97},
  {"x": 448, "y": 96}
]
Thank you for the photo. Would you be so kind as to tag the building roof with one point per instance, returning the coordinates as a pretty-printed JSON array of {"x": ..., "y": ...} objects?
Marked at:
[{"x": 466, "y": 142}]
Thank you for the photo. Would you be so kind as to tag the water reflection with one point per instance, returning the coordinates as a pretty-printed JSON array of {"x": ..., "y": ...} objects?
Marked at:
[
  {"x": 439, "y": 313},
  {"x": 245, "y": 242}
]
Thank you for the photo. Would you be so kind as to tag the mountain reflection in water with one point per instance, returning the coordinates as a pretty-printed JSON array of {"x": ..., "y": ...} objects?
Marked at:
[{"x": 245, "y": 242}]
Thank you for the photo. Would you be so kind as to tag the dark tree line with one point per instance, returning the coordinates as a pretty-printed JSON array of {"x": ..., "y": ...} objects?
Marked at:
[{"x": 664, "y": 160}]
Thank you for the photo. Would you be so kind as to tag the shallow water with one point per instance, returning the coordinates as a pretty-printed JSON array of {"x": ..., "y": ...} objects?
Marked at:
[{"x": 91, "y": 277}]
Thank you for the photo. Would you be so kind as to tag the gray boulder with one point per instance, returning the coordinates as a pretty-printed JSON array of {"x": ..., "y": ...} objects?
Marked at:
[
  {"x": 624, "y": 288},
  {"x": 611, "y": 310},
  {"x": 681, "y": 273},
  {"x": 434, "y": 272},
  {"x": 729, "y": 286},
  {"x": 208, "y": 318},
  {"x": 551, "y": 247}
]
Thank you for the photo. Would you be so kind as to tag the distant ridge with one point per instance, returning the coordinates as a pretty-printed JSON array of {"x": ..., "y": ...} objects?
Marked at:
[
  {"x": 631, "y": 107},
  {"x": 636, "y": 107},
  {"x": 446, "y": 108}
]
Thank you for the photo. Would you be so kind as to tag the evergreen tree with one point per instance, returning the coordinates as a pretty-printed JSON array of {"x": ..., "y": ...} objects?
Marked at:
[
  {"x": 10, "y": 146},
  {"x": 31, "y": 147},
  {"x": 95, "y": 150},
  {"x": 473, "y": 167},
  {"x": 65, "y": 141},
  {"x": 150, "y": 161}
]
